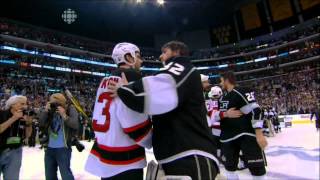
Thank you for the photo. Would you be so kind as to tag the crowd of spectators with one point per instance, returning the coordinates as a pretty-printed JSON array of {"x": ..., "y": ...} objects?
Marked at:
[
  {"x": 62, "y": 39},
  {"x": 290, "y": 93},
  {"x": 296, "y": 92},
  {"x": 37, "y": 87},
  {"x": 306, "y": 50}
]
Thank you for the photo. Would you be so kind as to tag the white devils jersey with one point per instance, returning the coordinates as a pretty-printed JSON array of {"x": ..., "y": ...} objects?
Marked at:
[
  {"x": 213, "y": 106},
  {"x": 121, "y": 135}
]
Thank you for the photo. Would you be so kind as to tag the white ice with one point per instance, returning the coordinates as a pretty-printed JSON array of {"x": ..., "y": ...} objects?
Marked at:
[{"x": 291, "y": 154}]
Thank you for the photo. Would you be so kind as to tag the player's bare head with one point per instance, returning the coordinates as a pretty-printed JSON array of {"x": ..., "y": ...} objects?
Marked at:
[
  {"x": 227, "y": 79},
  {"x": 173, "y": 49},
  {"x": 127, "y": 54}
]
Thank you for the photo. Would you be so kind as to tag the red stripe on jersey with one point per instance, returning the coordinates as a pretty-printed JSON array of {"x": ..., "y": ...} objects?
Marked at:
[
  {"x": 118, "y": 149},
  {"x": 141, "y": 137},
  {"x": 136, "y": 127},
  {"x": 216, "y": 127},
  {"x": 107, "y": 161}
]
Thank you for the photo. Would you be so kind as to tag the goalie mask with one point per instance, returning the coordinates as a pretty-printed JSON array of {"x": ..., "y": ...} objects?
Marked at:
[{"x": 122, "y": 49}]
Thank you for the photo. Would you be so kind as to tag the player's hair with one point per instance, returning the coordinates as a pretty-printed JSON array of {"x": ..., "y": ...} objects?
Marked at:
[
  {"x": 229, "y": 75},
  {"x": 177, "y": 46}
]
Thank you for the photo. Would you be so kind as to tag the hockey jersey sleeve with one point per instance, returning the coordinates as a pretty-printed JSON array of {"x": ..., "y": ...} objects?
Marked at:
[
  {"x": 247, "y": 104},
  {"x": 137, "y": 125},
  {"x": 157, "y": 94}
]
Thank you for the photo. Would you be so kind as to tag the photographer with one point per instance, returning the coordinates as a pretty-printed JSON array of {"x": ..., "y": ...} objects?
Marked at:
[
  {"x": 14, "y": 125},
  {"x": 60, "y": 123}
]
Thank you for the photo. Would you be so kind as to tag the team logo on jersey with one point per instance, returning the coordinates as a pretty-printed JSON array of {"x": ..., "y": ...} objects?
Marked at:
[{"x": 224, "y": 105}]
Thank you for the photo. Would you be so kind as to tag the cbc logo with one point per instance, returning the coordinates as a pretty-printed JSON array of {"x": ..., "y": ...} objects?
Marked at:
[{"x": 69, "y": 16}]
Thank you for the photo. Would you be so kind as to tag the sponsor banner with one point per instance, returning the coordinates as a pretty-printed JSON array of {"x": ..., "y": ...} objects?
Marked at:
[{"x": 296, "y": 119}]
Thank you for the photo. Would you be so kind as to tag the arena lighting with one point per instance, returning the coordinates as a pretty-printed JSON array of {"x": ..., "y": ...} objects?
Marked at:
[
  {"x": 261, "y": 59},
  {"x": 283, "y": 54},
  {"x": 150, "y": 69},
  {"x": 86, "y": 72},
  {"x": 53, "y": 68},
  {"x": 240, "y": 63},
  {"x": 36, "y": 65},
  {"x": 48, "y": 67},
  {"x": 223, "y": 66},
  {"x": 160, "y": 2},
  {"x": 7, "y": 61},
  {"x": 202, "y": 68},
  {"x": 139, "y": 1},
  {"x": 54, "y": 90},
  {"x": 113, "y": 65},
  {"x": 294, "y": 51},
  {"x": 272, "y": 57}
]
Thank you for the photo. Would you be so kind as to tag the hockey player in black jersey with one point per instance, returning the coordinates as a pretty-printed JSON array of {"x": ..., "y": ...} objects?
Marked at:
[
  {"x": 243, "y": 133},
  {"x": 182, "y": 141}
]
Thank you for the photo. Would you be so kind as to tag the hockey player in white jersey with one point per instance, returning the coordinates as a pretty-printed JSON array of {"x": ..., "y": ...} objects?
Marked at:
[
  {"x": 121, "y": 133},
  {"x": 213, "y": 106}
]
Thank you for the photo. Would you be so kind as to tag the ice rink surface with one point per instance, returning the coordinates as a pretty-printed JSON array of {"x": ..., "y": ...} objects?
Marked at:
[{"x": 292, "y": 154}]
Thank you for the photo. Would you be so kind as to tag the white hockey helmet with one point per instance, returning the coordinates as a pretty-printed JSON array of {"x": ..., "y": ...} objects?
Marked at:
[
  {"x": 121, "y": 49},
  {"x": 204, "y": 78},
  {"x": 215, "y": 92}
]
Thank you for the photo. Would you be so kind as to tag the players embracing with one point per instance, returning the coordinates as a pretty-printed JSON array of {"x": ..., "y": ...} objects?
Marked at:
[{"x": 182, "y": 142}]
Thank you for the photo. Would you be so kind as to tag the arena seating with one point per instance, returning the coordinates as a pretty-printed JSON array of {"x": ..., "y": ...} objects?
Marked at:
[{"x": 279, "y": 67}]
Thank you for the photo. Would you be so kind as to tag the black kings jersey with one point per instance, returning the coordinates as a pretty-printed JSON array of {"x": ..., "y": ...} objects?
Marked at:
[
  {"x": 175, "y": 99},
  {"x": 244, "y": 100}
]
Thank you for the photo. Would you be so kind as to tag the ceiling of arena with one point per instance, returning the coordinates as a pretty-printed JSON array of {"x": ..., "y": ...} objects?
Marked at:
[{"x": 118, "y": 20}]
